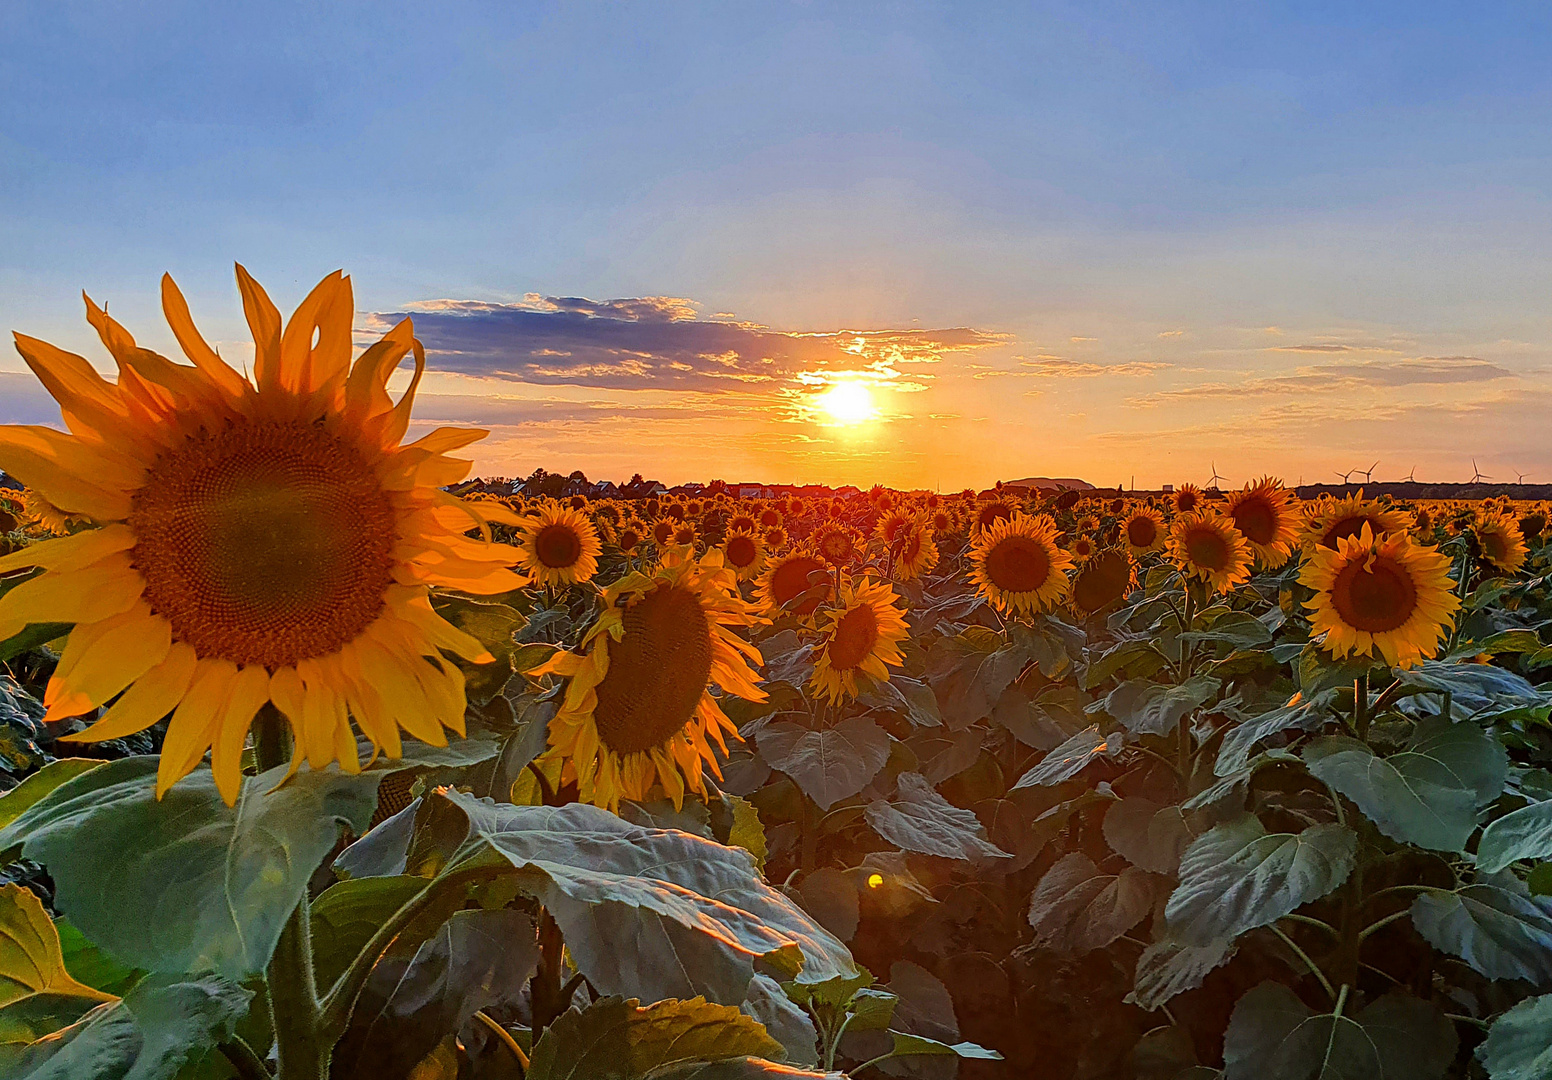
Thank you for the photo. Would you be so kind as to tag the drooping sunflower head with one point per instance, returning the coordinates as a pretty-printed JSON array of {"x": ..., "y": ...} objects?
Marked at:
[
  {"x": 1187, "y": 497},
  {"x": 1104, "y": 579},
  {"x": 1017, "y": 565},
  {"x": 1423, "y": 522},
  {"x": 1503, "y": 546},
  {"x": 1261, "y": 511},
  {"x": 255, "y": 542},
  {"x": 1380, "y": 593},
  {"x": 861, "y": 635},
  {"x": 891, "y": 525},
  {"x": 1533, "y": 523},
  {"x": 1144, "y": 530},
  {"x": 1206, "y": 545},
  {"x": 918, "y": 554},
  {"x": 630, "y": 535},
  {"x": 790, "y": 576},
  {"x": 559, "y": 546},
  {"x": 1330, "y": 520},
  {"x": 836, "y": 542},
  {"x": 44, "y": 516},
  {"x": 744, "y": 553},
  {"x": 577, "y": 502},
  {"x": 638, "y": 714}
]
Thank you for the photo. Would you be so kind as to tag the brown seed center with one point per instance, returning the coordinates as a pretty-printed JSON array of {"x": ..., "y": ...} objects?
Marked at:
[
  {"x": 1207, "y": 549},
  {"x": 1377, "y": 599},
  {"x": 1017, "y": 564},
  {"x": 854, "y": 638},
  {"x": 558, "y": 546},
  {"x": 657, "y": 671},
  {"x": 1142, "y": 532},
  {"x": 1256, "y": 520}
]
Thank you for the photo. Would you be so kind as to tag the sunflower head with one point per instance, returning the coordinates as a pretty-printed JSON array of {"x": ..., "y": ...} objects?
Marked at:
[
  {"x": 1533, "y": 524},
  {"x": 1261, "y": 512},
  {"x": 254, "y": 542},
  {"x": 663, "y": 532},
  {"x": 638, "y": 714},
  {"x": 861, "y": 636},
  {"x": 1206, "y": 545},
  {"x": 1330, "y": 520},
  {"x": 1144, "y": 530},
  {"x": 694, "y": 508},
  {"x": 743, "y": 521},
  {"x": 788, "y": 577},
  {"x": 1104, "y": 579},
  {"x": 836, "y": 542},
  {"x": 918, "y": 554},
  {"x": 774, "y": 538},
  {"x": 1380, "y": 593},
  {"x": 559, "y": 546},
  {"x": 989, "y": 513},
  {"x": 891, "y": 525},
  {"x": 1187, "y": 498},
  {"x": 1082, "y": 548},
  {"x": 577, "y": 502},
  {"x": 744, "y": 554},
  {"x": 943, "y": 522},
  {"x": 1503, "y": 546},
  {"x": 630, "y": 536},
  {"x": 770, "y": 517},
  {"x": 685, "y": 535},
  {"x": 1017, "y": 565}
]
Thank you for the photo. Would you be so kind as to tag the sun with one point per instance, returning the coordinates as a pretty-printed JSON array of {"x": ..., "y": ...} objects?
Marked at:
[{"x": 848, "y": 403}]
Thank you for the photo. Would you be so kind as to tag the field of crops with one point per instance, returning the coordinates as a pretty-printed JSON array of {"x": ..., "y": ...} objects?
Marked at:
[{"x": 1003, "y": 784}]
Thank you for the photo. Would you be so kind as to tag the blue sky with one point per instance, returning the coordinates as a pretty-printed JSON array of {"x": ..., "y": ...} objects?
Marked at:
[{"x": 1135, "y": 240}]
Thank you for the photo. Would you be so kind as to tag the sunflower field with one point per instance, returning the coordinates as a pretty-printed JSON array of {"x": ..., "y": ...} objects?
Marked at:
[{"x": 317, "y": 761}]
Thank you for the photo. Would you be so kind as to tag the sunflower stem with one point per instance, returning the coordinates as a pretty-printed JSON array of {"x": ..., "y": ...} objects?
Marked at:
[
  {"x": 302, "y": 1048},
  {"x": 550, "y": 998},
  {"x": 1361, "y": 706}
]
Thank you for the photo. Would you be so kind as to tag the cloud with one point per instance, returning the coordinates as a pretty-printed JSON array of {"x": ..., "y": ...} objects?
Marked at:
[
  {"x": 657, "y": 343},
  {"x": 1347, "y": 376},
  {"x": 1060, "y": 367},
  {"x": 24, "y": 401},
  {"x": 1171, "y": 333},
  {"x": 1330, "y": 348}
]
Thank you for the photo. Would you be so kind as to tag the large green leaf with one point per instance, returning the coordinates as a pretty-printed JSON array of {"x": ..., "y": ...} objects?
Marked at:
[
  {"x": 829, "y": 764},
  {"x": 1500, "y": 931},
  {"x": 1306, "y": 714},
  {"x": 1524, "y": 834},
  {"x": 616, "y": 1039},
  {"x": 919, "y": 819},
  {"x": 1272, "y": 1035},
  {"x": 1237, "y": 876},
  {"x": 475, "y": 960},
  {"x": 1148, "y": 835},
  {"x": 1519, "y": 1044},
  {"x": 1076, "y": 909},
  {"x": 37, "y": 993},
  {"x": 1426, "y": 794},
  {"x": 40, "y": 783},
  {"x": 187, "y": 883},
  {"x": 348, "y": 913},
  {"x": 1150, "y": 708},
  {"x": 1167, "y": 968},
  {"x": 1473, "y": 688},
  {"x": 1237, "y": 628},
  {"x": 160, "y": 1026},
  {"x": 1070, "y": 758},
  {"x": 652, "y": 913},
  {"x": 919, "y": 1045}
]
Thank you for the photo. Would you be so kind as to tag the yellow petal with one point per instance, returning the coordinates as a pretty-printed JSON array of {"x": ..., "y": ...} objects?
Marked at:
[
  {"x": 71, "y": 474},
  {"x": 98, "y": 592},
  {"x": 154, "y": 695},
  {"x": 193, "y": 344},
  {"x": 129, "y": 646},
  {"x": 401, "y": 692},
  {"x": 390, "y": 427},
  {"x": 193, "y": 725},
  {"x": 71, "y": 552},
  {"x": 264, "y": 322},
  {"x": 366, "y": 389},
  {"x": 250, "y": 690},
  {"x": 326, "y": 313},
  {"x": 93, "y": 407}
]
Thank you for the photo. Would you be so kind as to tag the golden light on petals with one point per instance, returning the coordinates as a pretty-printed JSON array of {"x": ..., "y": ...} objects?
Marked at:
[
  {"x": 861, "y": 636},
  {"x": 1501, "y": 541},
  {"x": 1017, "y": 565},
  {"x": 559, "y": 546},
  {"x": 1207, "y": 546},
  {"x": 1263, "y": 513}
]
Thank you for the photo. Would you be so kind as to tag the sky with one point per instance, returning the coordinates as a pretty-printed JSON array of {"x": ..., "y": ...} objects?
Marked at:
[{"x": 1135, "y": 243}]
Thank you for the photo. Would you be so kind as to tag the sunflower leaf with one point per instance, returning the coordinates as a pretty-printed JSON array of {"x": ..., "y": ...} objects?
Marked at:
[
  {"x": 919, "y": 819},
  {"x": 196, "y": 885},
  {"x": 1524, "y": 834},
  {"x": 1076, "y": 909},
  {"x": 1150, "y": 708},
  {"x": 37, "y": 993},
  {"x": 1499, "y": 931},
  {"x": 1069, "y": 759},
  {"x": 1517, "y": 1047},
  {"x": 1168, "y": 967},
  {"x": 617, "y": 1039},
  {"x": 830, "y": 764}
]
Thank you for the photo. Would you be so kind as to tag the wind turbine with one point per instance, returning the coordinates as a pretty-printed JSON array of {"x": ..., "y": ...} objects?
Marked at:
[
  {"x": 1409, "y": 478},
  {"x": 1476, "y": 473},
  {"x": 1345, "y": 475},
  {"x": 1519, "y": 478},
  {"x": 1368, "y": 474},
  {"x": 1212, "y": 484}
]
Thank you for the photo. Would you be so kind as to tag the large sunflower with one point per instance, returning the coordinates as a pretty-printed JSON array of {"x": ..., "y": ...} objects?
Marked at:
[
  {"x": 1261, "y": 511},
  {"x": 1144, "y": 529},
  {"x": 638, "y": 710},
  {"x": 744, "y": 554},
  {"x": 1331, "y": 519},
  {"x": 559, "y": 546},
  {"x": 1103, "y": 580},
  {"x": 1208, "y": 546},
  {"x": 786, "y": 578},
  {"x": 862, "y": 634},
  {"x": 1017, "y": 565},
  {"x": 1380, "y": 592},
  {"x": 256, "y": 542},
  {"x": 1502, "y": 543}
]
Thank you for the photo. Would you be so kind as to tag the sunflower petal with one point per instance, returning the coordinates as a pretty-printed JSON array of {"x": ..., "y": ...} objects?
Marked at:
[
  {"x": 74, "y": 476},
  {"x": 264, "y": 323},
  {"x": 250, "y": 690},
  {"x": 131, "y": 646},
  {"x": 153, "y": 696},
  {"x": 71, "y": 552},
  {"x": 194, "y": 722},
  {"x": 98, "y": 592}
]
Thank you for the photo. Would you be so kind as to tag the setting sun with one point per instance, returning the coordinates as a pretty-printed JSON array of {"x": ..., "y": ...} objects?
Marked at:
[{"x": 848, "y": 403}]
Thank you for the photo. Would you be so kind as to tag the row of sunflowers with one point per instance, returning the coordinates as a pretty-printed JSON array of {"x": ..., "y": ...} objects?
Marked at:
[{"x": 1178, "y": 786}]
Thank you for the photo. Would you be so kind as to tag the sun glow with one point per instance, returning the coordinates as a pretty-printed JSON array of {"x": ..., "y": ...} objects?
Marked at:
[{"x": 848, "y": 403}]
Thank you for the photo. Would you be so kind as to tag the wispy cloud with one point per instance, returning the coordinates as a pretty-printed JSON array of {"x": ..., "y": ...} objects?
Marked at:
[
  {"x": 659, "y": 343},
  {"x": 1322, "y": 348},
  {"x": 1346, "y": 376},
  {"x": 1060, "y": 367}
]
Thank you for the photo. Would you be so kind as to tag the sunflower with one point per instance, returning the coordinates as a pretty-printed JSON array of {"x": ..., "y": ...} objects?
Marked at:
[
  {"x": 892, "y": 525},
  {"x": 1330, "y": 520},
  {"x": 788, "y": 577},
  {"x": 663, "y": 532},
  {"x": 693, "y": 508},
  {"x": 742, "y": 522},
  {"x": 1088, "y": 523},
  {"x": 638, "y": 711},
  {"x": 1206, "y": 545},
  {"x": 1423, "y": 522},
  {"x": 559, "y": 546},
  {"x": 770, "y": 517},
  {"x": 1103, "y": 580},
  {"x": 1082, "y": 548},
  {"x": 1017, "y": 565},
  {"x": 862, "y": 633},
  {"x": 577, "y": 502},
  {"x": 918, "y": 554},
  {"x": 1186, "y": 498},
  {"x": 630, "y": 535},
  {"x": 256, "y": 542},
  {"x": 41, "y": 514},
  {"x": 1261, "y": 511},
  {"x": 774, "y": 537},
  {"x": 1144, "y": 529},
  {"x": 744, "y": 554},
  {"x": 1533, "y": 523},
  {"x": 836, "y": 542},
  {"x": 685, "y": 535},
  {"x": 1502, "y": 543},
  {"x": 989, "y": 513},
  {"x": 943, "y": 522},
  {"x": 1380, "y": 592}
]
